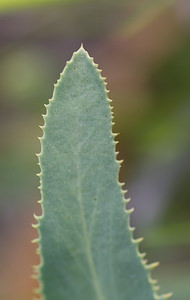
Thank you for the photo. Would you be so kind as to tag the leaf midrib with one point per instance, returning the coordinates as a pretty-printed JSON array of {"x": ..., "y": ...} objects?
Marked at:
[{"x": 87, "y": 247}]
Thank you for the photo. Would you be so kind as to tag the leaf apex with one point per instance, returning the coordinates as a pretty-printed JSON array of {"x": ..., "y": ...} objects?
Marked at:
[{"x": 81, "y": 49}]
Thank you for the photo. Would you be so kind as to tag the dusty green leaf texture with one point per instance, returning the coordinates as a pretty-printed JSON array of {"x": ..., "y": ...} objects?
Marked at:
[{"x": 85, "y": 240}]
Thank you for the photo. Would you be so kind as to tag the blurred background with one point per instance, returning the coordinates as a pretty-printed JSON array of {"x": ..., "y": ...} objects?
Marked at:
[{"x": 143, "y": 48}]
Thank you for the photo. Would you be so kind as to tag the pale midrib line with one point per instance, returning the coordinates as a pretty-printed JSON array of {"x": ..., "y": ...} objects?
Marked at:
[
  {"x": 93, "y": 217},
  {"x": 94, "y": 214},
  {"x": 86, "y": 237}
]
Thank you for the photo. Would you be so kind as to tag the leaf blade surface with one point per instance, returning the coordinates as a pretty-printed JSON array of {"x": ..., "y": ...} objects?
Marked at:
[{"x": 85, "y": 240}]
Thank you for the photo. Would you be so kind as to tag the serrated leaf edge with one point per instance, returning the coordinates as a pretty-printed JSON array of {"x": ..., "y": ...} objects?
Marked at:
[{"x": 38, "y": 292}]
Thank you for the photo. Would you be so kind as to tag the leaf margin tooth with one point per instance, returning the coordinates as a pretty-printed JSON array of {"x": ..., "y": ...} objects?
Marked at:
[{"x": 153, "y": 265}]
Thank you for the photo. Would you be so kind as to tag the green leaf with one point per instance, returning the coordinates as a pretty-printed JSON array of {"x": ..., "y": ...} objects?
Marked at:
[
  {"x": 6, "y": 5},
  {"x": 86, "y": 243}
]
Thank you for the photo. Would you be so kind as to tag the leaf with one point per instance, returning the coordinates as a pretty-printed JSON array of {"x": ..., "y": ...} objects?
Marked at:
[
  {"x": 85, "y": 239},
  {"x": 9, "y": 5}
]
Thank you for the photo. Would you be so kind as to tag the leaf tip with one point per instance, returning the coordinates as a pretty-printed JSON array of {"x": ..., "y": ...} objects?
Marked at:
[{"x": 82, "y": 50}]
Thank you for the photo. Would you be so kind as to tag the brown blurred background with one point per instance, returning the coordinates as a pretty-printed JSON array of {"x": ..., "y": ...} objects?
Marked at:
[{"x": 143, "y": 48}]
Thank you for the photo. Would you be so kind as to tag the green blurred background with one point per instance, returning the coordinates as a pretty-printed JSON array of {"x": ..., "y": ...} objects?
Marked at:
[{"x": 143, "y": 48}]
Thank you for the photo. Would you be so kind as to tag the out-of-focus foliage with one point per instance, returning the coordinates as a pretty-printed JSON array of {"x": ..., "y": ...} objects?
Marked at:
[
  {"x": 143, "y": 48},
  {"x": 142, "y": 14},
  {"x": 6, "y": 5},
  {"x": 138, "y": 14},
  {"x": 144, "y": 6}
]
